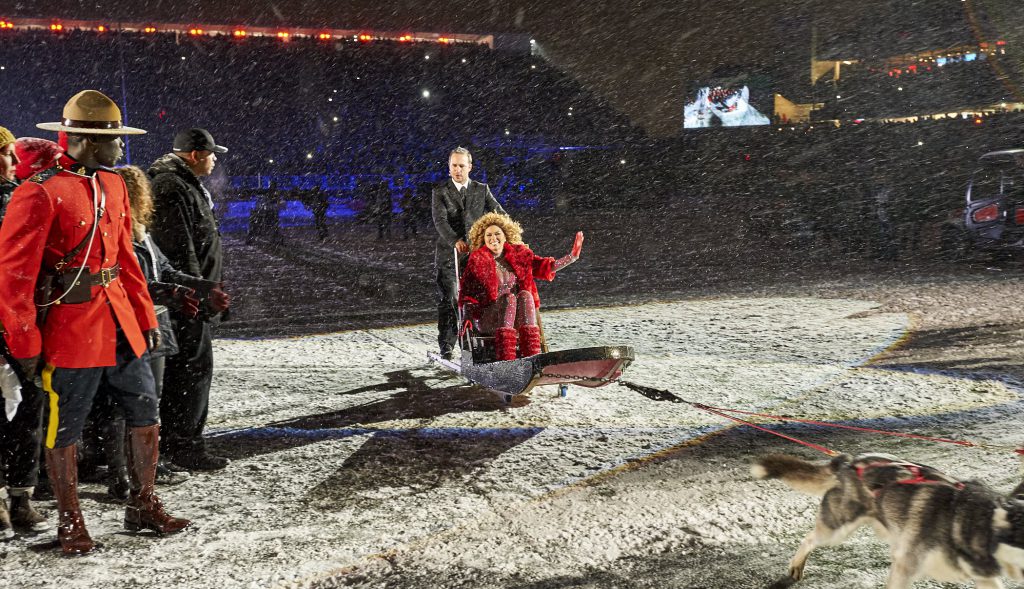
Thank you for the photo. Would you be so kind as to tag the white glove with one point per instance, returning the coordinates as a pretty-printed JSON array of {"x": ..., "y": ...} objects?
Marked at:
[{"x": 10, "y": 386}]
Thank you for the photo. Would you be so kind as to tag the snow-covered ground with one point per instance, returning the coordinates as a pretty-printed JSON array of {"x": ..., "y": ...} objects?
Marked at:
[{"x": 357, "y": 463}]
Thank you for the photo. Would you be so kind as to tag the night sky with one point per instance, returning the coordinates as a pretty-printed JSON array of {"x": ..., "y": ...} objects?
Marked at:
[{"x": 643, "y": 55}]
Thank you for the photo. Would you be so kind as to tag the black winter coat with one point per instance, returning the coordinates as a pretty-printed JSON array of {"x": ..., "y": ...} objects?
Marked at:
[
  {"x": 184, "y": 226},
  {"x": 162, "y": 278}
]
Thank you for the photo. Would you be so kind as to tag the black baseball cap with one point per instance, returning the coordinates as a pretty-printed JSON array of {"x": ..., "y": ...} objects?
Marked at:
[{"x": 196, "y": 139}]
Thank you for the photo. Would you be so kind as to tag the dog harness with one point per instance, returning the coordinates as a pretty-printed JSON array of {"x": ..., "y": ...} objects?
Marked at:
[{"x": 917, "y": 475}]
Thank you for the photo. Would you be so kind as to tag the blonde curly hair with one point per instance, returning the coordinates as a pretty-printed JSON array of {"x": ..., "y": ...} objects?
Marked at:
[
  {"x": 140, "y": 198},
  {"x": 513, "y": 231}
]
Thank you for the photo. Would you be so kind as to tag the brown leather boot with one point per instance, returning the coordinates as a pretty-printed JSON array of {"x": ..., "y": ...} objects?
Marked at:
[
  {"x": 529, "y": 340},
  {"x": 24, "y": 515},
  {"x": 62, "y": 466},
  {"x": 144, "y": 508}
]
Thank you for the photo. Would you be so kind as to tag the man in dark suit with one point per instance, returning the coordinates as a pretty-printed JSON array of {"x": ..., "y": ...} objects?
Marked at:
[{"x": 455, "y": 205}]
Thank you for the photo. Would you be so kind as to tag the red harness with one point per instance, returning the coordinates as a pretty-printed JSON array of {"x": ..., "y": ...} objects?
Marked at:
[{"x": 918, "y": 477}]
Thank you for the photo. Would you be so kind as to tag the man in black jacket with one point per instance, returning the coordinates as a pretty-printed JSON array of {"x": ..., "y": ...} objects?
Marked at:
[
  {"x": 185, "y": 229},
  {"x": 455, "y": 205}
]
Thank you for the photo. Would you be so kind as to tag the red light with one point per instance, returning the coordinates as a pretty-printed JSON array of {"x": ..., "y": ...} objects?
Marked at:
[
  {"x": 6, "y": 24},
  {"x": 978, "y": 120},
  {"x": 1000, "y": 42},
  {"x": 365, "y": 38},
  {"x": 986, "y": 214},
  {"x": 56, "y": 27},
  {"x": 1018, "y": 216},
  {"x": 239, "y": 33},
  {"x": 324, "y": 36}
]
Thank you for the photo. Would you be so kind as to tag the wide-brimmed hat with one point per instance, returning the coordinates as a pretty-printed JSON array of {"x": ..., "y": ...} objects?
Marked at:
[{"x": 91, "y": 112}]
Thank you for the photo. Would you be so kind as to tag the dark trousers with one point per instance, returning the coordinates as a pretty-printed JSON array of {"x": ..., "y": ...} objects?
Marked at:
[
  {"x": 447, "y": 295},
  {"x": 129, "y": 384},
  {"x": 20, "y": 440},
  {"x": 185, "y": 399}
]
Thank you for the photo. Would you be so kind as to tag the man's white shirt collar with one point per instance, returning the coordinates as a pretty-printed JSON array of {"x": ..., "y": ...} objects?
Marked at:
[{"x": 460, "y": 186}]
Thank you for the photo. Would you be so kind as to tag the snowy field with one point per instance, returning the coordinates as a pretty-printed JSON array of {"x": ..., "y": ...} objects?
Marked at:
[{"x": 355, "y": 463}]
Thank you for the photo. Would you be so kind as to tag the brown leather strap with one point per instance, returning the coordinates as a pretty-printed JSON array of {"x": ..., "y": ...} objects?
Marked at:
[
  {"x": 101, "y": 279},
  {"x": 91, "y": 124}
]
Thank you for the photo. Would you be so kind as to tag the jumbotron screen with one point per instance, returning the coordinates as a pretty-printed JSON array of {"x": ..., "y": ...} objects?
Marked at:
[{"x": 724, "y": 106}]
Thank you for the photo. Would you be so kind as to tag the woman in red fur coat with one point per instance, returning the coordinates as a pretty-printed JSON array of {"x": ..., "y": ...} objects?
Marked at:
[{"x": 498, "y": 288}]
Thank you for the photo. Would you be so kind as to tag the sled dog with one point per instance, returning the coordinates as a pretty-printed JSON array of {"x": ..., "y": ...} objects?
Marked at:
[{"x": 937, "y": 526}]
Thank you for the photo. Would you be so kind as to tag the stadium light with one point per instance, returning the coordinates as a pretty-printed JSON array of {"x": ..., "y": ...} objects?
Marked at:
[
  {"x": 101, "y": 29},
  {"x": 335, "y": 119},
  {"x": 309, "y": 156},
  {"x": 324, "y": 36},
  {"x": 426, "y": 94},
  {"x": 405, "y": 39},
  {"x": 196, "y": 32},
  {"x": 56, "y": 27},
  {"x": 533, "y": 66},
  {"x": 239, "y": 33},
  {"x": 149, "y": 30},
  {"x": 364, "y": 38},
  {"x": 283, "y": 35},
  {"x": 6, "y": 24}
]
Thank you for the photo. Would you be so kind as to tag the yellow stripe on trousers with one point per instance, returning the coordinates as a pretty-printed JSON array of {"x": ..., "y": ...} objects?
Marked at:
[{"x": 51, "y": 427}]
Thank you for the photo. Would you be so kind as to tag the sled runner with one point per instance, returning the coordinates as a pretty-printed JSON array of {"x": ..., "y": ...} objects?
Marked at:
[{"x": 588, "y": 367}]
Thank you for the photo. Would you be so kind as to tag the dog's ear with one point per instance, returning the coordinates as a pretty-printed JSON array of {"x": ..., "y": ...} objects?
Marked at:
[{"x": 840, "y": 461}]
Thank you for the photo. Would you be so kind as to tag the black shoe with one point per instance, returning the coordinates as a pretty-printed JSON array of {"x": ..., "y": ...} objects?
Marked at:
[
  {"x": 200, "y": 461},
  {"x": 168, "y": 473},
  {"x": 118, "y": 486},
  {"x": 448, "y": 354}
]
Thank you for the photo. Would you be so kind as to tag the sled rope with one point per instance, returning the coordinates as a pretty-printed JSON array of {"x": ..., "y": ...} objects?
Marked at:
[{"x": 663, "y": 395}]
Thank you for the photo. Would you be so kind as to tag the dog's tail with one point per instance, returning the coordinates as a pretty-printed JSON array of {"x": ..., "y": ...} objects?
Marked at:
[{"x": 813, "y": 478}]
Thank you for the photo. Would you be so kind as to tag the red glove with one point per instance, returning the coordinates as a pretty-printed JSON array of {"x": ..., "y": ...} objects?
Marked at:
[
  {"x": 186, "y": 298},
  {"x": 577, "y": 246},
  {"x": 219, "y": 300}
]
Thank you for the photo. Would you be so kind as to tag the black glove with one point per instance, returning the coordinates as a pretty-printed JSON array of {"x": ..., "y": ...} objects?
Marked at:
[
  {"x": 29, "y": 366},
  {"x": 153, "y": 339}
]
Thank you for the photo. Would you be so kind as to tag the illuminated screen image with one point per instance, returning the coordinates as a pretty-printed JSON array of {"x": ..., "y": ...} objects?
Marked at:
[{"x": 722, "y": 106}]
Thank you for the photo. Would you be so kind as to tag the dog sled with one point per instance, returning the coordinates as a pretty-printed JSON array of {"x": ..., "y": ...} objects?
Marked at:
[{"x": 588, "y": 367}]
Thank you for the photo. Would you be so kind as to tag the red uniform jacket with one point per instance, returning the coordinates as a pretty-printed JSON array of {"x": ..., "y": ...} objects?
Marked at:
[
  {"x": 44, "y": 222},
  {"x": 479, "y": 283}
]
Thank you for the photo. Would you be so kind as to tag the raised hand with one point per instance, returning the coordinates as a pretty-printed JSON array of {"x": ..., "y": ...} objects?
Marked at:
[{"x": 577, "y": 246}]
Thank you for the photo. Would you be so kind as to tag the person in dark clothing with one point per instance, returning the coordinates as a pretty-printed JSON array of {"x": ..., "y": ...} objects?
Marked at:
[
  {"x": 382, "y": 207},
  {"x": 455, "y": 206},
  {"x": 185, "y": 229},
  {"x": 408, "y": 204},
  {"x": 315, "y": 199},
  {"x": 20, "y": 433},
  {"x": 265, "y": 220}
]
